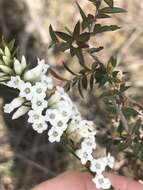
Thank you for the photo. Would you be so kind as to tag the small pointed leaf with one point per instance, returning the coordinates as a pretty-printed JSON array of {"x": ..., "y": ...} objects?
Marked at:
[{"x": 114, "y": 10}]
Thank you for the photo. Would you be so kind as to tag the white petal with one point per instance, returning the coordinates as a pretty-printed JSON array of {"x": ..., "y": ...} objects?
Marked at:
[{"x": 20, "y": 112}]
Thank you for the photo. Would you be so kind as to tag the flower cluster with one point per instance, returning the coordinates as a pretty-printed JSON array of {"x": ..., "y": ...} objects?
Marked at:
[
  {"x": 54, "y": 111},
  {"x": 84, "y": 132}
]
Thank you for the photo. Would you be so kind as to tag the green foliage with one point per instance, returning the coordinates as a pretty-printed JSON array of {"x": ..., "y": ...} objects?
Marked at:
[
  {"x": 101, "y": 75},
  {"x": 98, "y": 28},
  {"x": 97, "y": 3},
  {"x": 110, "y": 3},
  {"x": 111, "y": 10}
]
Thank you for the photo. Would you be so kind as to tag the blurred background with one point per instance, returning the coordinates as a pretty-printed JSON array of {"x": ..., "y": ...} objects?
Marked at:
[{"x": 26, "y": 158}]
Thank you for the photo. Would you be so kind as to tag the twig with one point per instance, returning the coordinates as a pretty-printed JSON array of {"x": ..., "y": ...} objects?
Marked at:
[
  {"x": 122, "y": 117},
  {"x": 34, "y": 164}
]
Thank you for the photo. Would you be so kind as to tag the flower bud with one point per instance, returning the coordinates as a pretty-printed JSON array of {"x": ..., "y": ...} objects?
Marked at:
[
  {"x": 6, "y": 60},
  {"x": 8, "y": 108},
  {"x": 17, "y": 102},
  {"x": 33, "y": 74},
  {"x": 2, "y": 74},
  {"x": 4, "y": 78},
  {"x": 6, "y": 69},
  {"x": 1, "y": 51},
  {"x": 17, "y": 67},
  {"x": 7, "y": 51},
  {"x": 20, "y": 112},
  {"x": 23, "y": 62},
  {"x": 1, "y": 62}
]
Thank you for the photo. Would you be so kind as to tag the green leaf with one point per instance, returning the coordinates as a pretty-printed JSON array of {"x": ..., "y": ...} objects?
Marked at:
[
  {"x": 88, "y": 21},
  {"x": 64, "y": 36},
  {"x": 109, "y": 68},
  {"x": 80, "y": 56},
  {"x": 80, "y": 88},
  {"x": 92, "y": 78},
  {"x": 84, "y": 37},
  {"x": 74, "y": 82},
  {"x": 57, "y": 76},
  {"x": 72, "y": 51},
  {"x": 137, "y": 148},
  {"x": 67, "y": 86},
  {"x": 11, "y": 44},
  {"x": 109, "y": 2},
  {"x": 114, "y": 10},
  {"x": 111, "y": 64},
  {"x": 76, "y": 31},
  {"x": 128, "y": 112},
  {"x": 136, "y": 126},
  {"x": 63, "y": 47},
  {"x": 69, "y": 70},
  {"x": 68, "y": 30},
  {"x": 97, "y": 3},
  {"x": 124, "y": 145},
  {"x": 102, "y": 15},
  {"x": 81, "y": 11},
  {"x": 141, "y": 152},
  {"x": 113, "y": 61},
  {"x": 52, "y": 34},
  {"x": 95, "y": 50},
  {"x": 84, "y": 82},
  {"x": 101, "y": 79},
  {"x": 120, "y": 128},
  {"x": 98, "y": 28},
  {"x": 106, "y": 94},
  {"x": 123, "y": 87}
]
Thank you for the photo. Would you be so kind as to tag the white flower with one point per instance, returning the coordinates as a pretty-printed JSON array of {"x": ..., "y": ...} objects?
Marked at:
[
  {"x": 15, "y": 82},
  {"x": 39, "y": 89},
  {"x": 98, "y": 165},
  {"x": 76, "y": 112},
  {"x": 58, "y": 95},
  {"x": 35, "y": 117},
  {"x": 89, "y": 143},
  {"x": 65, "y": 108},
  {"x": 101, "y": 182},
  {"x": 54, "y": 135},
  {"x": 61, "y": 125},
  {"x": 110, "y": 160},
  {"x": 60, "y": 90},
  {"x": 72, "y": 130},
  {"x": 39, "y": 104},
  {"x": 36, "y": 73},
  {"x": 84, "y": 155},
  {"x": 26, "y": 91},
  {"x": 86, "y": 128},
  {"x": 120, "y": 75},
  {"x": 54, "y": 115},
  {"x": 53, "y": 100},
  {"x": 74, "y": 124},
  {"x": 40, "y": 127},
  {"x": 16, "y": 102},
  {"x": 47, "y": 81},
  {"x": 56, "y": 119},
  {"x": 51, "y": 115},
  {"x": 43, "y": 65}
]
